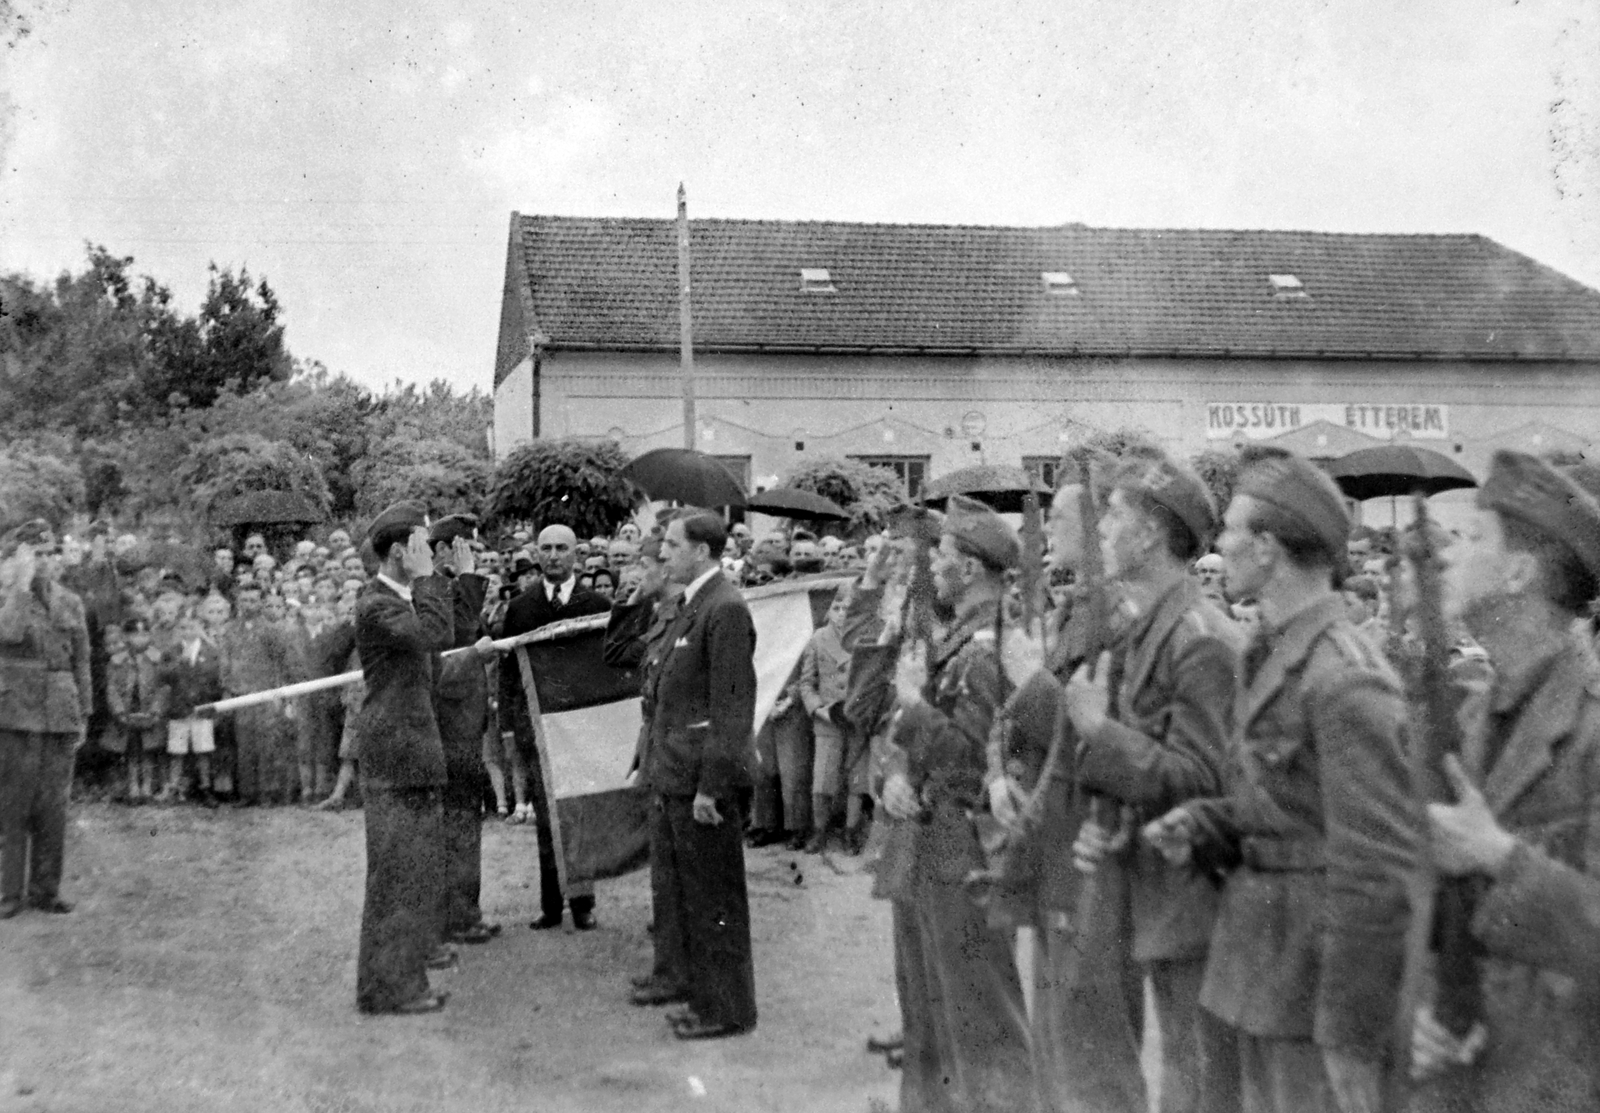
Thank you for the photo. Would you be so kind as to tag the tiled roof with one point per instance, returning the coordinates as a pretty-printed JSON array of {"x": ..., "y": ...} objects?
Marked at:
[{"x": 612, "y": 284}]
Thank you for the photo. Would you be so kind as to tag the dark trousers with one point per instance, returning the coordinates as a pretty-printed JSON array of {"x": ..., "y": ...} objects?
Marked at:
[
  {"x": 671, "y": 966},
  {"x": 400, "y": 915},
  {"x": 1176, "y": 988},
  {"x": 703, "y": 877},
  {"x": 265, "y": 760},
  {"x": 581, "y": 896},
  {"x": 966, "y": 1029},
  {"x": 461, "y": 825},
  {"x": 35, "y": 782},
  {"x": 1085, "y": 1045}
]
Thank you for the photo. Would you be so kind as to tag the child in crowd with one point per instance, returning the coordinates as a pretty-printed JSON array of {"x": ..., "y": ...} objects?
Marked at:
[
  {"x": 191, "y": 670},
  {"x": 215, "y": 610},
  {"x": 824, "y": 669},
  {"x": 349, "y": 744},
  {"x": 137, "y": 704}
]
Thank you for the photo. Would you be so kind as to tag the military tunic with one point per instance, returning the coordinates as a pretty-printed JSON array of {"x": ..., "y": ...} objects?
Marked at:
[
  {"x": 46, "y": 696},
  {"x": 966, "y": 1041},
  {"x": 1320, "y": 829},
  {"x": 1535, "y": 752}
]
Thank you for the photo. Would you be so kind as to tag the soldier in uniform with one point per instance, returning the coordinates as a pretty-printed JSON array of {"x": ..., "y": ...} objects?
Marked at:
[
  {"x": 46, "y": 696},
  {"x": 1152, "y": 731},
  {"x": 462, "y": 705},
  {"x": 1087, "y": 1000},
  {"x": 1527, "y": 564},
  {"x": 966, "y": 1032},
  {"x": 1318, "y": 832}
]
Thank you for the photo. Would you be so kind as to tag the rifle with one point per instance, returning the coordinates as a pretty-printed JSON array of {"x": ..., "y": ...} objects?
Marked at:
[{"x": 1459, "y": 1004}]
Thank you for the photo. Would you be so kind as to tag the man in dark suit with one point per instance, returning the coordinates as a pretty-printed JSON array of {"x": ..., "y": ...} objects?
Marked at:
[
  {"x": 462, "y": 706},
  {"x": 403, "y": 621},
  {"x": 556, "y": 597},
  {"x": 695, "y": 761}
]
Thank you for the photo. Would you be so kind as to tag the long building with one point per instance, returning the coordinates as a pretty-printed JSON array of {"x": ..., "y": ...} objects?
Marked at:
[{"x": 930, "y": 347}]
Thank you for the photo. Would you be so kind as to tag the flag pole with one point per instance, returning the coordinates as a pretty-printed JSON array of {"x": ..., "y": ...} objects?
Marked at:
[{"x": 685, "y": 321}]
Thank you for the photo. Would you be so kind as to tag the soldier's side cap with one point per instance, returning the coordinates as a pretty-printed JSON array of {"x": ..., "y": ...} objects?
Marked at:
[
  {"x": 405, "y": 515},
  {"x": 982, "y": 533},
  {"x": 452, "y": 527},
  {"x": 1179, "y": 491},
  {"x": 1533, "y": 492},
  {"x": 915, "y": 522},
  {"x": 35, "y": 531},
  {"x": 1301, "y": 490}
]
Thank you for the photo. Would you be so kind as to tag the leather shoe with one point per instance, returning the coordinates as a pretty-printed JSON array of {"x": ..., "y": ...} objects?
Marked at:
[
  {"x": 9, "y": 908},
  {"x": 546, "y": 922},
  {"x": 657, "y": 994},
  {"x": 443, "y": 959},
  {"x": 878, "y": 1045},
  {"x": 584, "y": 921},
  {"x": 52, "y": 904},
  {"x": 428, "y": 1003},
  {"x": 479, "y": 932},
  {"x": 695, "y": 1028}
]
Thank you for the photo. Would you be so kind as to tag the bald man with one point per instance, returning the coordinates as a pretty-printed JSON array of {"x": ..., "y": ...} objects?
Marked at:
[{"x": 557, "y": 596}]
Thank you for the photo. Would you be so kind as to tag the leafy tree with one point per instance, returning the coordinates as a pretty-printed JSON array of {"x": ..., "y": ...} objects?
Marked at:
[
  {"x": 235, "y": 344},
  {"x": 1218, "y": 470},
  {"x": 571, "y": 482},
  {"x": 867, "y": 492},
  {"x": 34, "y": 484},
  {"x": 226, "y": 467},
  {"x": 440, "y": 473}
]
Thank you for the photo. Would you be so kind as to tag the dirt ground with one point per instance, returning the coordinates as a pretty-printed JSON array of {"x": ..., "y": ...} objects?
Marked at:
[{"x": 210, "y": 965}]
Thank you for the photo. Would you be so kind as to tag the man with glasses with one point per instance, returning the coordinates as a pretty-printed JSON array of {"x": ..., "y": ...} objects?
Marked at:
[{"x": 45, "y": 698}]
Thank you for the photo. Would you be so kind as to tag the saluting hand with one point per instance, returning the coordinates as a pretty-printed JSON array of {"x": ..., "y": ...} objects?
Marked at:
[
  {"x": 419, "y": 554},
  {"x": 1088, "y": 696},
  {"x": 911, "y": 674},
  {"x": 1466, "y": 838},
  {"x": 466, "y": 561}
]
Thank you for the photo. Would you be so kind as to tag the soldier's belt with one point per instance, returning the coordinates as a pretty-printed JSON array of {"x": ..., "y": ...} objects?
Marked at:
[{"x": 1269, "y": 855}]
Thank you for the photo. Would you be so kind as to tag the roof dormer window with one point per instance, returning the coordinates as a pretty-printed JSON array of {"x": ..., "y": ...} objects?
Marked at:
[
  {"x": 1060, "y": 284},
  {"x": 816, "y": 280},
  {"x": 1287, "y": 287}
]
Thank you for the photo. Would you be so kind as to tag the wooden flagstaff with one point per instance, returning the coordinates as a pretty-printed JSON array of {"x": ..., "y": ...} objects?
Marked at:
[{"x": 685, "y": 321}]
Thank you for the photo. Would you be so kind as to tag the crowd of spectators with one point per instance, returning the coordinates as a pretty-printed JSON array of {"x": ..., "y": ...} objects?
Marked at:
[{"x": 174, "y": 626}]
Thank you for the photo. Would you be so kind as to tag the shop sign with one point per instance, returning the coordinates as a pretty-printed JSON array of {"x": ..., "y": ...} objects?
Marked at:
[{"x": 1259, "y": 420}]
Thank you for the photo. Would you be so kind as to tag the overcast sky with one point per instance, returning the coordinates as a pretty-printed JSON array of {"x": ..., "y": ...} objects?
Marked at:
[{"x": 365, "y": 157}]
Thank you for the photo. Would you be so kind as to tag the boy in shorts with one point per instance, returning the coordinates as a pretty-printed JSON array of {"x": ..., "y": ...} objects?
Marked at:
[
  {"x": 136, "y": 700},
  {"x": 192, "y": 673}
]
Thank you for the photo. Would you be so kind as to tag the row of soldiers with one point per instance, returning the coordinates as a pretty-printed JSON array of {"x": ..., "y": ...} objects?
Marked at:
[{"x": 1228, "y": 832}]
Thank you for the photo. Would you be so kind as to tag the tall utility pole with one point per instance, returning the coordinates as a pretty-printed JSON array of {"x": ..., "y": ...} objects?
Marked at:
[{"x": 685, "y": 320}]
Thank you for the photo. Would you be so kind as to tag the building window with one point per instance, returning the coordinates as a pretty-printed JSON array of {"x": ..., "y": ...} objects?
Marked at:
[
  {"x": 1045, "y": 469},
  {"x": 739, "y": 468},
  {"x": 1287, "y": 287},
  {"x": 912, "y": 470},
  {"x": 1059, "y": 283},
  {"x": 815, "y": 280}
]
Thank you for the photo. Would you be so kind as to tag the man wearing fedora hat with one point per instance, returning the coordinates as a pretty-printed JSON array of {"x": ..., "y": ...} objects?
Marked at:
[{"x": 45, "y": 700}]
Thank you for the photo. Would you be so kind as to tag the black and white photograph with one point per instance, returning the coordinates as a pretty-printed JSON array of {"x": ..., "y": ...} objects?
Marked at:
[{"x": 1038, "y": 556}]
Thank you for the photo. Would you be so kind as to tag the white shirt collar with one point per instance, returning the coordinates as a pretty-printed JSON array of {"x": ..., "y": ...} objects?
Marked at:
[
  {"x": 398, "y": 588},
  {"x": 561, "y": 592},
  {"x": 698, "y": 582}
]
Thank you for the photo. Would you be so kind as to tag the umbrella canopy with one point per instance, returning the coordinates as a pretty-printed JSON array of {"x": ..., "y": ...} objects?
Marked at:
[
  {"x": 1397, "y": 469},
  {"x": 265, "y": 508},
  {"x": 1001, "y": 487},
  {"x": 686, "y": 476},
  {"x": 792, "y": 502}
]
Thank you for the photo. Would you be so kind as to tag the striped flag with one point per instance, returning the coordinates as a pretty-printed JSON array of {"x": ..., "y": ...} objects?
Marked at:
[{"x": 586, "y": 718}]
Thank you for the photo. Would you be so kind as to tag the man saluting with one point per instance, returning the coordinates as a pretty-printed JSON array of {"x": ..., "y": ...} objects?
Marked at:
[{"x": 403, "y": 621}]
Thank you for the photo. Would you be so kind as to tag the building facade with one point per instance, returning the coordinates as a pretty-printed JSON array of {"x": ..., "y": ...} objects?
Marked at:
[{"x": 928, "y": 348}]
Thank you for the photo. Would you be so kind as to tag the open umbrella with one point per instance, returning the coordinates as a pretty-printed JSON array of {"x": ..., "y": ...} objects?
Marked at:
[
  {"x": 1397, "y": 469},
  {"x": 1001, "y": 487},
  {"x": 792, "y": 502},
  {"x": 686, "y": 476},
  {"x": 267, "y": 508}
]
